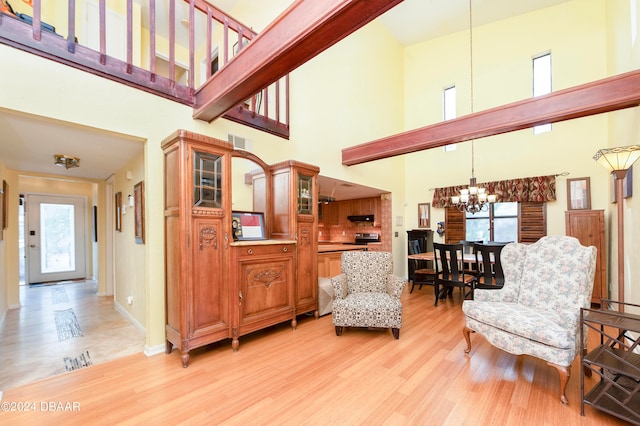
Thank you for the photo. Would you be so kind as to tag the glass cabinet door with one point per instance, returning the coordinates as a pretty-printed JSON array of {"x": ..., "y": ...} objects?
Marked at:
[
  {"x": 207, "y": 180},
  {"x": 305, "y": 194}
]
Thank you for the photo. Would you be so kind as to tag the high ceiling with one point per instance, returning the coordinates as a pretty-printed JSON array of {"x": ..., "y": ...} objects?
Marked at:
[{"x": 28, "y": 143}]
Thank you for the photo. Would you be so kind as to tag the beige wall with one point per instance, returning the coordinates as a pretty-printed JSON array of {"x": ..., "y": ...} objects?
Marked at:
[{"x": 365, "y": 87}]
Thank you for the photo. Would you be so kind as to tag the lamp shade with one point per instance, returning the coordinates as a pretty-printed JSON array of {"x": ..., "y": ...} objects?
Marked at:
[{"x": 618, "y": 159}]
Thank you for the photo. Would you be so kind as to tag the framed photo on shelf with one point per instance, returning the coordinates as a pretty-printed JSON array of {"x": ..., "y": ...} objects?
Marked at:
[
  {"x": 578, "y": 194},
  {"x": 424, "y": 215},
  {"x": 247, "y": 226}
]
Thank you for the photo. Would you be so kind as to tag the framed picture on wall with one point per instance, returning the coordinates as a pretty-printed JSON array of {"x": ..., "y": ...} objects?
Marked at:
[
  {"x": 138, "y": 200},
  {"x": 118, "y": 211},
  {"x": 578, "y": 194},
  {"x": 424, "y": 215},
  {"x": 5, "y": 201}
]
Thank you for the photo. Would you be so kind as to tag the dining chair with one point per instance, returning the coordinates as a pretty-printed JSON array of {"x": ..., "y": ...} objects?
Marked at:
[
  {"x": 489, "y": 266},
  {"x": 421, "y": 275},
  {"x": 449, "y": 271},
  {"x": 468, "y": 248}
]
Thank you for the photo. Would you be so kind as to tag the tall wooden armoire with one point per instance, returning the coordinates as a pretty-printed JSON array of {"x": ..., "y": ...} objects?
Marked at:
[
  {"x": 197, "y": 201},
  {"x": 295, "y": 216},
  {"x": 588, "y": 227}
]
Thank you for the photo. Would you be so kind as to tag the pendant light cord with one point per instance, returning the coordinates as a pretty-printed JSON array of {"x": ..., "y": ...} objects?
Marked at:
[{"x": 473, "y": 174}]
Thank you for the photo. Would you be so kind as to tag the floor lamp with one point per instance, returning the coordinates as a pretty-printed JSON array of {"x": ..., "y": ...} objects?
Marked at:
[{"x": 618, "y": 161}]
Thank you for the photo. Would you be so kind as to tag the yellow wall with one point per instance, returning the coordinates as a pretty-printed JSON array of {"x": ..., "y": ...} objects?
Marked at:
[
  {"x": 624, "y": 129},
  {"x": 4, "y": 303},
  {"x": 502, "y": 65},
  {"x": 363, "y": 88},
  {"x": 129, "y": 256}
]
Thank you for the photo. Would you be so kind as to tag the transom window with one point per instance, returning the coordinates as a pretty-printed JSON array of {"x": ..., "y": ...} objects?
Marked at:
[{"x": 542, "y": 83}]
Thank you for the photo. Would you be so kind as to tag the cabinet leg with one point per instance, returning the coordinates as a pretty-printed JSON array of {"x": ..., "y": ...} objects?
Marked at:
[
  {"x": 169, "y": 347},
  {"x": 185, "y": 359},
  {"x": 235, "y": 343},
  {"x": 294, "y": 323},
  {"x": 316, "y": 314}
]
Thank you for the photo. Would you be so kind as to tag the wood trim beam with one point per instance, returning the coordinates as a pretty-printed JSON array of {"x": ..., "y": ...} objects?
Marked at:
[
  {"x": 301, "y": 32},
  {"x": 606, "y": 95}
]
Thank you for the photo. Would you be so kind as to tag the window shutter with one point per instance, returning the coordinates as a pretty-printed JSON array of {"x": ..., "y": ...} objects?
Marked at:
[
  {"x": 533, "y": 223},
  {"x": 454, "y": 229}
]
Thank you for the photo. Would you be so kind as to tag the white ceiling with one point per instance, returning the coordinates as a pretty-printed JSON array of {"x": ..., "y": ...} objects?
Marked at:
[{"x": 28, "y": 143}]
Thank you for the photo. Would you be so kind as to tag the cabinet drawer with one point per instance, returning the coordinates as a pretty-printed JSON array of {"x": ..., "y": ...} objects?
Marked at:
[{"x": 265, "y": 250}]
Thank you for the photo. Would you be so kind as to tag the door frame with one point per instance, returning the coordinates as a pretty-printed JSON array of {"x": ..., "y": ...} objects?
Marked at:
[{"x": 85, "y": 253}]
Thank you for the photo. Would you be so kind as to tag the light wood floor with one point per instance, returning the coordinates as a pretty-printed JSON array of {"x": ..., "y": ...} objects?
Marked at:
[
  {"x": 60, "y": 328},
  {"x": 310, "y": 376}
]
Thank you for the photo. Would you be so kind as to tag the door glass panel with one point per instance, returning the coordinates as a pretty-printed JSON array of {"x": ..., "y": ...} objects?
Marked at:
[{"x": 57, "y": 238}]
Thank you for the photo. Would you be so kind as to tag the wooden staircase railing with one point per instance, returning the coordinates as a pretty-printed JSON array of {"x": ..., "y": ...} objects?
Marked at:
[{"x": 197, "y": 40}]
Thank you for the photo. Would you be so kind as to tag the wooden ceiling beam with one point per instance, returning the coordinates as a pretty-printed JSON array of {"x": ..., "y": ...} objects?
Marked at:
[
  {"x": 606, "y": 95},
  {"x": 303, "y": 31}
]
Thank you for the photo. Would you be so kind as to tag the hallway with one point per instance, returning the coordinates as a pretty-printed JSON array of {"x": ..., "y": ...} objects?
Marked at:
[{"x": 62, "y": 327}]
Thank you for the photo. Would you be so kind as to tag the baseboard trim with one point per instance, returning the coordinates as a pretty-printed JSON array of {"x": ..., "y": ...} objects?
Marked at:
[
  {"x": 130, "y": 317},
  {"x": 154, "y": 350}
]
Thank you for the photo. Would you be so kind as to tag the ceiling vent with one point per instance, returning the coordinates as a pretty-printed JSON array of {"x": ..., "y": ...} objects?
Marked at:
[{"x": 239, "y": 142}]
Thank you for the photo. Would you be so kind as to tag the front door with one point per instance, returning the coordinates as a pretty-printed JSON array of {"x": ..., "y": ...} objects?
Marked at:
[{"x": 55, "y": 236}]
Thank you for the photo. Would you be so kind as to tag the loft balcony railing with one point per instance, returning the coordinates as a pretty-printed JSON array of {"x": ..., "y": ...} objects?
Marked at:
[{"x": 167, "y": 47}]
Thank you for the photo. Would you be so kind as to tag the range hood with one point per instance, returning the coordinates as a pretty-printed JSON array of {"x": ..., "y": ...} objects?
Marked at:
[{"x": 361, "y": 218}]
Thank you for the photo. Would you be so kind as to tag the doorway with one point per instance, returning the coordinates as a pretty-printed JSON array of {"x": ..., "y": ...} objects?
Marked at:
[{"x": 55, "y": 236}]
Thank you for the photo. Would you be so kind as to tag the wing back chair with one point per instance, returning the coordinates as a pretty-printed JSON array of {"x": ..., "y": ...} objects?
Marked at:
[
  {"x": 537, "y": 311},
  {"x": 367, "y": 294}
]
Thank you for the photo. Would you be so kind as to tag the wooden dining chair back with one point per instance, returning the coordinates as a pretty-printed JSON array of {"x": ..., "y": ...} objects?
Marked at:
[
  {"x": 449, "y": 270},
  {"x": 422, "y": 275},
  {"x": 468, "y": 248},
  {"x": 490, "y": 274}
]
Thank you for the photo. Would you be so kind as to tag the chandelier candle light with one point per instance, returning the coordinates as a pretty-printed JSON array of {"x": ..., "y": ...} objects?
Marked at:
[{"x": 473, "y": 199}]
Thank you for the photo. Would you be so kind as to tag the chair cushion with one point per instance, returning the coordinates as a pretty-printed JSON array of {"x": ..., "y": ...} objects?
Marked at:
[
  {"x": 541, "y": 326},
  {"x": 368, "y": 310}
]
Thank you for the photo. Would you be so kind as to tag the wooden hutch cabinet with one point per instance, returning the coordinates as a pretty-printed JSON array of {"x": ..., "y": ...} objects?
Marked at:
[
  {"x": 196, "y": 204},
  {"x": 588, "y": 227},
  {"x": 295, "y": 216},
  {"x": 217, "y": 288},
  {"x": 264, "y": 275}
]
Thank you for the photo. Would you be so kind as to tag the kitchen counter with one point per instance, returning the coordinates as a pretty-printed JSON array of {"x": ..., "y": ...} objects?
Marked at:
[{"x": 325, "y": 248}]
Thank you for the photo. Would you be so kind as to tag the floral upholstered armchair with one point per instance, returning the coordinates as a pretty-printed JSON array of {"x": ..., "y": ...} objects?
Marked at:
[
  {"x": 367, "y": 294},
  {"x": 537, "y": 312}
]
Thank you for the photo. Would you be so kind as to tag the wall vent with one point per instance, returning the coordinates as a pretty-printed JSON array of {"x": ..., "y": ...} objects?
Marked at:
[{"x": 239, "y": 142}]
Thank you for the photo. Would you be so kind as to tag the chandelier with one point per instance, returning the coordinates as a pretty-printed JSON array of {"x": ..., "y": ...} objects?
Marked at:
[{"x": 473, "y": 199}]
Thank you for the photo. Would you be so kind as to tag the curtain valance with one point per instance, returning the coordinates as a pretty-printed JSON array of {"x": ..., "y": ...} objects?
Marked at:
[{"x": 531, "y": 189}]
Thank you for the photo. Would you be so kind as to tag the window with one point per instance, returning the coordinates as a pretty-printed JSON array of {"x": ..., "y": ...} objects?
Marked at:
[
  {"x": 542, "y": 84},
  {"x": 449, "y": 110},
  {"x": 498, "y": 223}
]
